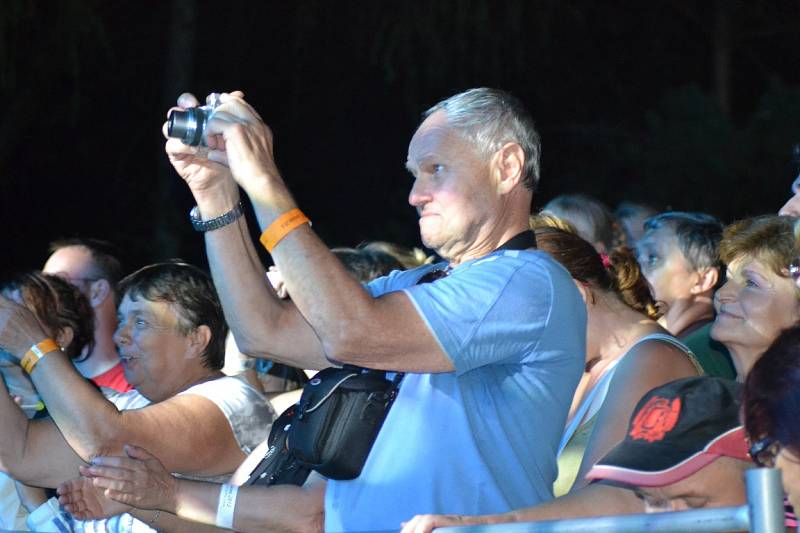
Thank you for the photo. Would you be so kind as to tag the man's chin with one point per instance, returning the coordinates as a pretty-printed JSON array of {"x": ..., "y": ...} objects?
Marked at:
[{"x": 430, "y": 241}]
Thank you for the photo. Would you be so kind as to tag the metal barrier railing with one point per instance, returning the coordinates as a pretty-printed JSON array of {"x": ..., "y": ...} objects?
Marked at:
[{"x": 763, "y": 514}]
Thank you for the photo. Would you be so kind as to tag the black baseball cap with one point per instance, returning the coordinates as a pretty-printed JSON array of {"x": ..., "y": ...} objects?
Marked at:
[{"x": 675, "y": 430}]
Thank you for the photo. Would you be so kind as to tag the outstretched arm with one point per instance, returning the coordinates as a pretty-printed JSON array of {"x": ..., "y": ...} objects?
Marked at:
[
  {"x": 262, "y": 324},
  {"x": 202, "y": 441},
  {"x": 85, "y": 501},
  {"x": 352, "y": 327},
  {"x": 33, "y": 451},
  {"x": 593, "y": 500},
  {"x": 93, "y": 426},
  {"x": 140, "y": 480}
]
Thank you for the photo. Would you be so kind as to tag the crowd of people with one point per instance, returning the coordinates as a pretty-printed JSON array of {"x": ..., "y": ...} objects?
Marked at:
[{"x": 575, "y": 362}]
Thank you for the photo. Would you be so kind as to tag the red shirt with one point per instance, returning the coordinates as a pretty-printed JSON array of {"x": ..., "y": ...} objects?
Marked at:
[{"x": 113, "y": 378}]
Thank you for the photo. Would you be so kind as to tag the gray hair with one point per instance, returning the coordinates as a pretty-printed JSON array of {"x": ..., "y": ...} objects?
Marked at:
[
  {"x": 490, "y": 118},
  {"x": 591, "y": 218},
  {"x": 698, "y": 234}
]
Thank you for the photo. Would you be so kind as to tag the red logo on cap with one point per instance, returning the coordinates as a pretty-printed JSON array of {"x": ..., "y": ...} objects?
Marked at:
[{"x": 655, "y": 419}]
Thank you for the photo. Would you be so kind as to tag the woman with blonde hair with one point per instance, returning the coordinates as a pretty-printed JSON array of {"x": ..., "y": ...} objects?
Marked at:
[{"x": 759, "y": 298}]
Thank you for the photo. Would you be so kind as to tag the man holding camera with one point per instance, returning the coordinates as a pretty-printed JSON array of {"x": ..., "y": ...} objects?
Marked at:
[{"x": 492, "y": 351}]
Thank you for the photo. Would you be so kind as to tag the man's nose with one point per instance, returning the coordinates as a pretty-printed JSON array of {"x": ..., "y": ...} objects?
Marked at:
[
  {"x": 419, "y": 194},
  {"x": 792, "y": 207}
]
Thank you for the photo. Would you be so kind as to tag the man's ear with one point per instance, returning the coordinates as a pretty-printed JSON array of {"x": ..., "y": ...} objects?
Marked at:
[
  {"x": 99, "y": 291},
  {"x": 705, "y": 280},
  {"x": 508, "y": 167},
  {"x": 199, "y": 340}
]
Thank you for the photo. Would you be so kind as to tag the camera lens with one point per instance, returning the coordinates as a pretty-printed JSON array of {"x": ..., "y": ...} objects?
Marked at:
[{"x": 187, "y": 126}]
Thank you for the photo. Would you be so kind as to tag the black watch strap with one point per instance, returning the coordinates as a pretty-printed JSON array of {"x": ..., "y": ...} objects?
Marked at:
[{"x": 217, "y": 222}]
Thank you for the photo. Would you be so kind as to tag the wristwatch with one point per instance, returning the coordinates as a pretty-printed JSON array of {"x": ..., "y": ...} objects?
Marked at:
[{"x": 217, "y": 222}]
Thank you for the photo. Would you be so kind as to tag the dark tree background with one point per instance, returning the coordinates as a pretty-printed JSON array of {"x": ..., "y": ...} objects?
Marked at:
[{"x": 690, "y": 105}]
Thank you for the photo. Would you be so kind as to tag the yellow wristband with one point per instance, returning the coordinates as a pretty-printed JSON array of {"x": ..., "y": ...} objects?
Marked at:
[
  {"x": 36, "y": 352},
  {"x": 282, "y": 226}
]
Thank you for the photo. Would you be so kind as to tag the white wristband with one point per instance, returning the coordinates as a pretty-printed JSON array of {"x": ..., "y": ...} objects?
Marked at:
[{"x": 226, "y": 506}]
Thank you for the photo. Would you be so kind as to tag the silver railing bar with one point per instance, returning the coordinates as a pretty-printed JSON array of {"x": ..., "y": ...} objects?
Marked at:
[{"x": 763, "y": 514}]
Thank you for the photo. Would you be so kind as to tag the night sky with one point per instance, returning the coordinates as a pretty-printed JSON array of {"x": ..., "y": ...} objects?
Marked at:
[{"x": 679, "y": 104}]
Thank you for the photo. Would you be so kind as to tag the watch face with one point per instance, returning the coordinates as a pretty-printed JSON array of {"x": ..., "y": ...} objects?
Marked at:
[{"x": 194, "y": 218}]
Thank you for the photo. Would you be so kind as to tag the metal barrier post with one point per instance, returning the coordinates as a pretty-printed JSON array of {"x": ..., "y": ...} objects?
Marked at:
[{"x": 765, "y": 500}]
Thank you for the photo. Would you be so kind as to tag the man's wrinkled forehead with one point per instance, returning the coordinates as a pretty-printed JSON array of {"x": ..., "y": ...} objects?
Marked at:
[{"x": 429, "y": 138}]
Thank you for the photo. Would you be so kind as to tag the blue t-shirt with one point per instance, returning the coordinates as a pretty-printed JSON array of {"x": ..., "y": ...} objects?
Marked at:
[{"x": 482, "y": 439}]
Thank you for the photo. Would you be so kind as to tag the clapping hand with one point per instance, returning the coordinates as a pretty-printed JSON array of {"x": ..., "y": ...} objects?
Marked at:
[
  {"x": 138, "y": 480},
  {"x": 85, "y": 501}
]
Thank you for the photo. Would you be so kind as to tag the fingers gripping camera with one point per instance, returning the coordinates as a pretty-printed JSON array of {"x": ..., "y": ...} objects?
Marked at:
[{"x": 190, "y": 125}]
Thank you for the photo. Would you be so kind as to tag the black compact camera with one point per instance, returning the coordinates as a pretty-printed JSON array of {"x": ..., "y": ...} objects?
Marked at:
[{"x": 190, "y": 125}]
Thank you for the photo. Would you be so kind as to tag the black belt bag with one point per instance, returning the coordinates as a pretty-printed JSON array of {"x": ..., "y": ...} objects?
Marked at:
[
  {"x": 333, "y": 427},
  {"x": 279, "y": 466},
  {"x": 338, "y": 418}
]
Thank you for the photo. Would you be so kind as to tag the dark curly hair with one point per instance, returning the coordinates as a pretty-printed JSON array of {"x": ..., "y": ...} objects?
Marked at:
[
  {"x": 57, "y": 305},
  {"x": 771, "y": 400}
]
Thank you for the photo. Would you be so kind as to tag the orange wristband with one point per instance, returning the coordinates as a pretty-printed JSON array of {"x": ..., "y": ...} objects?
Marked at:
[
  {"x": 282, "y": 226},
  {"x": 36, "y": 352}
]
